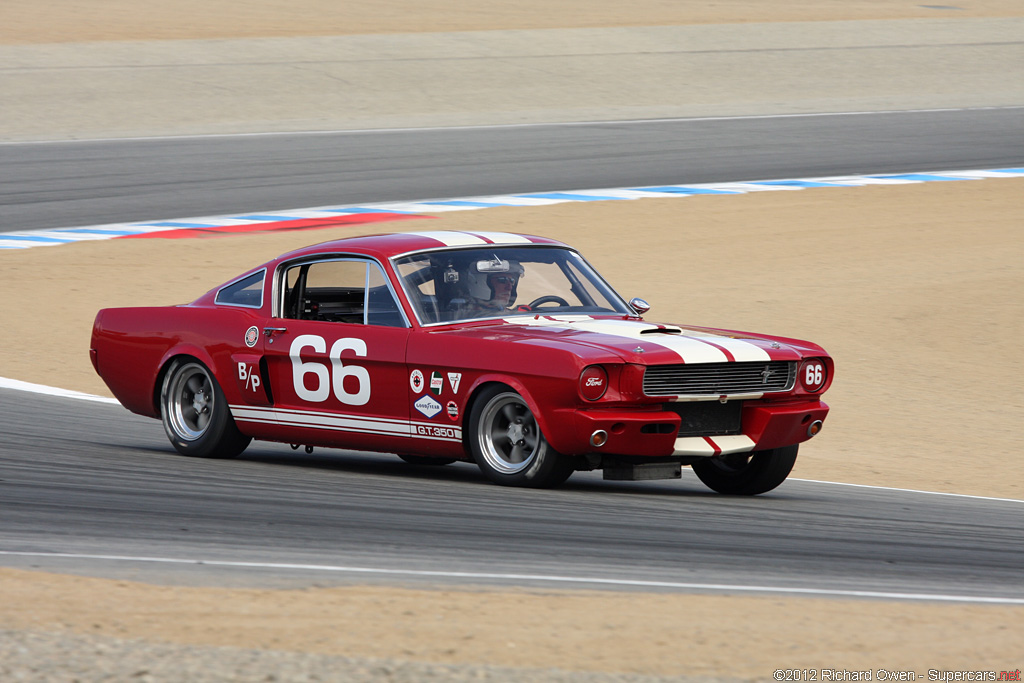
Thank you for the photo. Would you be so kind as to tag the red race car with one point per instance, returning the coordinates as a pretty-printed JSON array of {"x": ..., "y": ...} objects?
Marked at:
[{"x": 505, "y": 350}]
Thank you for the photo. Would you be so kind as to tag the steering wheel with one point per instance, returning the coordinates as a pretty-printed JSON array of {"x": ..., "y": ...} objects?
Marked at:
[{"x": 548, "y": 299}]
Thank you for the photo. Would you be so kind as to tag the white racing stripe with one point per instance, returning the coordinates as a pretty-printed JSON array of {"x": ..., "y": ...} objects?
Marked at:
[
  {"x": 451, "y": 238},
  {"x": 540, "y": 578},
  {"x": 741, "y": 350},
  {"x": 692, "y": 347},
  {"x": 690, "y": 350},
  {"x": 341, "y": 422},
  {"x": 737, "y": 443},
  {"x": 713, "y": 445},
  {"x": 502, "y": 238},
  {"x": 693, "y": 445}
]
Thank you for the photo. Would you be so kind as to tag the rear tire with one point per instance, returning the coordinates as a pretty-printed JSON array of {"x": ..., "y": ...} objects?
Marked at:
[
  {"x": 195, "y": 413},
  {"x": 508, "y": 445},
  {"x": 746, "y": 474}
]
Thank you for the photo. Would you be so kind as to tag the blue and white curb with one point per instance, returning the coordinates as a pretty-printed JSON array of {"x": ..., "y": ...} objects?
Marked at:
[{"x": 28, "y": 239}]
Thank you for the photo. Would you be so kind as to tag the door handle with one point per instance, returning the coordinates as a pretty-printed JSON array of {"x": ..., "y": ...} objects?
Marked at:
[{"x": 269, "y": 333}]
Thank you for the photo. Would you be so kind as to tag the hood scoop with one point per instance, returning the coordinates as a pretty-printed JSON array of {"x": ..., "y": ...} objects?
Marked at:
[{"x": 662, "y": 330}]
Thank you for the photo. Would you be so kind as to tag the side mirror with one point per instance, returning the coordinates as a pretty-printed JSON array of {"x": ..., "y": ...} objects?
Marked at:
[{"x": 639, "y": 305}]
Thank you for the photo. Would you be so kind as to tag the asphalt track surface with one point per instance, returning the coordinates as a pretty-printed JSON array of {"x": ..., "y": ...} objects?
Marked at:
[
  {"x": 95, "y": 482},
  {"x": 67, "y": 184},
  {"x": 85, "y": 485}
]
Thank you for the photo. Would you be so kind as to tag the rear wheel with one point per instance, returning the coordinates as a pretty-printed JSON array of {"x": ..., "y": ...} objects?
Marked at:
[
  {"x": 195, "y": 413},
  {"x": 508, "y": 445},
  {"x": 746, "y": 474}
]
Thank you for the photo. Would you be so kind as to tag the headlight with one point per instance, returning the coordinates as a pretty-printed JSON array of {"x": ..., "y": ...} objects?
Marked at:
[
  {"x": 813, "y": 375},
  {"x": 593, "y": 382}
]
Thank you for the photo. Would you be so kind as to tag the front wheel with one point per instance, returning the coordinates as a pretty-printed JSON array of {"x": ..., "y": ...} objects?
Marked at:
[
  {"x": 195, "y": 413},
  {"x": 508, "y": 445},
  {"x": 746, "y": 474}
]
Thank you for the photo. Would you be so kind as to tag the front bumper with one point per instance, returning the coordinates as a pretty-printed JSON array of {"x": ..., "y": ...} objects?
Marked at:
[{"x": 654, "y": 433}]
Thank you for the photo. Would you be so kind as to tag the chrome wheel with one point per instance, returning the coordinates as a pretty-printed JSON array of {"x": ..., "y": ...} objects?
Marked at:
[
  {"x": 190, "y": 401},
  {"x": 195, "y": 412},
  {"x": 508, "y": 435},
  {"x": 508, "y": 445}
]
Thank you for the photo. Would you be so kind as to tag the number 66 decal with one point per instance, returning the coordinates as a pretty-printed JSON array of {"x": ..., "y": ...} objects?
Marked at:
[
  {"x": 813, "y": 375},
  {"x": 300, "y": 368}
]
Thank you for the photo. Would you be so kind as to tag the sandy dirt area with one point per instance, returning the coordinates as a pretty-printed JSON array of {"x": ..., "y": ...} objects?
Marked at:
[
  {"x": 247, "y": 69},
  {"x": 665, "y": 635},
  {"x": 914, "y": 289},
  {"x": 57, "y": 21}
]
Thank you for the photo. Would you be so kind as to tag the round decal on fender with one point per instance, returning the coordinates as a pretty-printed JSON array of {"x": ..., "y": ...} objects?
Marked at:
[
  {"x": 453, "y": 410},
  {"x": 416, "y": 381},
  {"x": 252, "y": 335}
]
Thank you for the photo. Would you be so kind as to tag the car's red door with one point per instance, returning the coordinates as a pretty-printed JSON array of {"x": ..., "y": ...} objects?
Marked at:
[{"x": 335, "y": 358}]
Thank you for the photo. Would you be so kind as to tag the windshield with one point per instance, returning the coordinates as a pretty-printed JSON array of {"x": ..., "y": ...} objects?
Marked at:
[{"x": 498, "y": 282}]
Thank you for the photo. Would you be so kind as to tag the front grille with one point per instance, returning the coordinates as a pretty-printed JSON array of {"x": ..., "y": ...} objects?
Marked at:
[
  {"x": 707, "y": 418},
  {"x": 717, "y": 379}
]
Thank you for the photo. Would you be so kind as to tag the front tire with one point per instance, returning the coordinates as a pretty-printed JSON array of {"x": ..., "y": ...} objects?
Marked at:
[
  {"x": 195, "y": 413},
  {"x": 508, "y": 445},
  {"x": 746, "y": 474}
]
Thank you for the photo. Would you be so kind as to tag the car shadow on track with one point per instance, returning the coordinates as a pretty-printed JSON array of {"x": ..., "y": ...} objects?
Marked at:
[{"x": 386, "y": 465}]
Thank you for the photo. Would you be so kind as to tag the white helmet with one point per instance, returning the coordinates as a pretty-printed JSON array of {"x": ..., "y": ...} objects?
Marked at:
[{"x": 479, "y": 272}]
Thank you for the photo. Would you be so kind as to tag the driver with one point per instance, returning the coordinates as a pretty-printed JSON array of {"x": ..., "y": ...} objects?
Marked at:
[
  {"x": 492, "y": 293},
  {"x": 503, "y": 289}
]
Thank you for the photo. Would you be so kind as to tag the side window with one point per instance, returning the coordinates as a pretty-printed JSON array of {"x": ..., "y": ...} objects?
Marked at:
[
  {"x": 381, "y": 307},
  {"x": 246, "y": 292},
  {"x": 417, "y": 273},
  {"x": 346, "y": 291}
]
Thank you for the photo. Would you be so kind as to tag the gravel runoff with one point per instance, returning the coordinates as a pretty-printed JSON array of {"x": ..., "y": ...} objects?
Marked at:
[{"x": 42, "y": 656}]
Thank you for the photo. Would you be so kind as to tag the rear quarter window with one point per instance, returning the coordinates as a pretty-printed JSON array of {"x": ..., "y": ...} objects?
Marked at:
[{"x": 247, "y": 291}]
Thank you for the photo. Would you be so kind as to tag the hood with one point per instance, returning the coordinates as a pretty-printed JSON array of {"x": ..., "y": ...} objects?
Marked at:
[{"x": 636, "y": 341}]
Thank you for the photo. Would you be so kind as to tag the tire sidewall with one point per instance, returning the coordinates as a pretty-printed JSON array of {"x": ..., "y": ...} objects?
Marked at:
[
  {"x": 549, "y": 467},
  {"x": 764, "y": 471},
  {"x": 221, "y": 438}
]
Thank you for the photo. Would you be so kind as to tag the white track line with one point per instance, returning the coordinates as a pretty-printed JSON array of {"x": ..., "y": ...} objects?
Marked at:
[
  {"x": 543, "y": 578},
  {"x": 18, "y": 385},
  {"x": 890, "y": 488}
]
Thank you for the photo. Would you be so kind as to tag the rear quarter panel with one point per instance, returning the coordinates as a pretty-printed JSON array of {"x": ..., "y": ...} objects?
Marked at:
[{"x": 133, "y": 345}]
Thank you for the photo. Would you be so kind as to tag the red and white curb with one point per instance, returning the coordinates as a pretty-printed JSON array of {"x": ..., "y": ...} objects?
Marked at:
[{"x": 334, "y": 216}]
